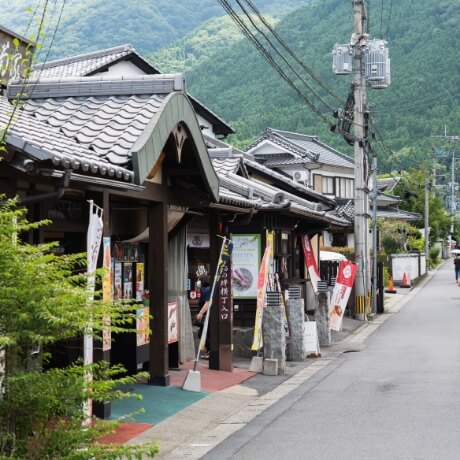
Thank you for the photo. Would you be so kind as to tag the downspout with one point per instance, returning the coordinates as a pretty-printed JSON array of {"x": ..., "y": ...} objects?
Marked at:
[{"x": 49, "y": 196}]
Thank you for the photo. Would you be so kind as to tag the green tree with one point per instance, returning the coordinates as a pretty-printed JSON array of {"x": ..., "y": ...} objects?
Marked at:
[
  {"x": 43, "y": 300},
  {"x": 411, "y": 189}
]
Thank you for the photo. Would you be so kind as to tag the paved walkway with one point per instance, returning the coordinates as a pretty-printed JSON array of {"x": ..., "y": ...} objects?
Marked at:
[{"x": 189, "y": 424}]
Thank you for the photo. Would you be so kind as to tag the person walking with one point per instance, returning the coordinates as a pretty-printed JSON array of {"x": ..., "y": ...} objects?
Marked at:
[
  {"x": 205, "y": 297},
  {"x": 457, "y": 268}
]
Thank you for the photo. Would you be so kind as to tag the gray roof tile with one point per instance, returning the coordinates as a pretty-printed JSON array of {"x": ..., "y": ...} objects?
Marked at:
[
  {"x": 107, "y": 126},
  {"x": 45, "y": 142},
  {"x": 303, "y": 147}
]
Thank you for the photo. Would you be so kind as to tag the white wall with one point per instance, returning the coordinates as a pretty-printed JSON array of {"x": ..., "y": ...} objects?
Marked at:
[{"x": 125, "y": 68}]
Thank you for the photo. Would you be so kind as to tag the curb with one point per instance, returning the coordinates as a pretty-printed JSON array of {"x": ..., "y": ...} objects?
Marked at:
[{"x": 213, "y": 419}]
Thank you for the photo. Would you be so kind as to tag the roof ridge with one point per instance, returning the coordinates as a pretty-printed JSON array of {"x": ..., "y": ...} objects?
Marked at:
[
  {"x": 98, "y": 86},
  {"x": 81, "y": 57},
  {"x": 294, "y": 148},
  {"x": 293, "y": 134}
]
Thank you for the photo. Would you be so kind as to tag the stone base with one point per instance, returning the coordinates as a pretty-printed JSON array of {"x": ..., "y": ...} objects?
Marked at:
[
  {"x": 270, "y": 366},
  {"x": 192, "y": 382},
  {"x": 257, "y": 364}
]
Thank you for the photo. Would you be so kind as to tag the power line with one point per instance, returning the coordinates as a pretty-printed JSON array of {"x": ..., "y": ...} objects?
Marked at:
[
  {"x": 291, "y": 53},
  {"x": 388, "y": 20},
  {"x": 262, "y": 50},
  {"x": 26, "y": 79},
  {"x": 283, "y": 58},
  {"x": 427, "y": 102}
]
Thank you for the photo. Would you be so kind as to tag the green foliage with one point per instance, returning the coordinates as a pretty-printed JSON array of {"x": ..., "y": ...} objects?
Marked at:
[
  {"x": 434, "y": 256},
  {"x": 90, "y": 25},
  {"x": 398, "y": 236},
  {"x": 347, "y": 251},
  {"x": 238, "y": 84},
  {"x": 44, "y": 300},
  {"x": 412, "y": 189}
]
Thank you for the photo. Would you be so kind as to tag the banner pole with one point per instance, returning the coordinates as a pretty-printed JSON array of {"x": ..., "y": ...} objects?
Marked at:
[{"x": 206, "y": 320}]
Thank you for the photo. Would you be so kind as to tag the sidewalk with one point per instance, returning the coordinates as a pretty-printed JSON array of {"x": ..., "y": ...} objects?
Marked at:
[{"x": 188, "y": 424}]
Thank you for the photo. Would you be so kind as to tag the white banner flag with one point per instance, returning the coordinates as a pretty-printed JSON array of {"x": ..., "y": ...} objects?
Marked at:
[{"x": 93, "y": 240}]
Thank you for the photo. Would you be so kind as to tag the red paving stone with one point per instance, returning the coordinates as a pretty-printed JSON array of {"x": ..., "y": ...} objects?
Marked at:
[
  {"x": 125, "y": 432},
  {"x": 211, "y": 380}
]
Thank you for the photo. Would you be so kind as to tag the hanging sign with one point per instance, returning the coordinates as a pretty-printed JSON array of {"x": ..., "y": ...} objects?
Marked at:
[
  {"x": 142, "y": 326},
  {"x": 310, "y": 261},
  {"x": 341, "y": 293},
  {"x": 245, "y": 265},
  {"x": 173, "y": 323}
]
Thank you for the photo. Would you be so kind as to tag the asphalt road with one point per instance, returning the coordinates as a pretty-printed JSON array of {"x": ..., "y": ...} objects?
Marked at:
[{"x": 396, "y": 397}]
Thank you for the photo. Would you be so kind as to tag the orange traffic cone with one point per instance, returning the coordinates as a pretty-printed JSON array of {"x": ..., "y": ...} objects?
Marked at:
[
  {"x": 405, "y": 283},
  {"x": 390, "y": 289}
]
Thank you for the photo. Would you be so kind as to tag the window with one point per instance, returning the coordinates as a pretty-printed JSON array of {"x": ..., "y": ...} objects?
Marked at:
[
  {"x": 344, "y": 187},
  {"x": 328, "y": 185}
]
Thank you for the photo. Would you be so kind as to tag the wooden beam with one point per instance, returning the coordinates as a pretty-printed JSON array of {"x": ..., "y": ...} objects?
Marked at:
[{"x": 158, "y": 287}]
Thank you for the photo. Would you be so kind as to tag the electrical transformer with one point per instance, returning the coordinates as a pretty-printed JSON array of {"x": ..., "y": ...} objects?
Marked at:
[
  {"x": 342, "y": 59},
  {"x": 377, "y": 64}
]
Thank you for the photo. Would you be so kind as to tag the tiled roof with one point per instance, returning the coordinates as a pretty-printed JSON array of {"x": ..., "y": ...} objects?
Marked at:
[
  {"x": 308, "y": 147},
  {"x": 85, "y": 64},
  {"x": 108, "y": 126},
  {"x": 228, "y": 157},
  {"x": 279, "y": 162},
  {"x": 247, "y": 192},
  {"x": 399, "y": 214},
  {"x": 226, "y": 166},
  {"x": 44, "y": 142},
  {"x": 385, "y": 200},
  {"x": 387, "y": 184},
  {"x": 346, "y": 209},
  {"x": 288, "y": 180}
]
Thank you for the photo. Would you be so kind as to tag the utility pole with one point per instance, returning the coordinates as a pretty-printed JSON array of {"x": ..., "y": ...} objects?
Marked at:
[
  {"x": 374, "y": 234},
  {"x": 359, "y": 40},
  {"x": 453, "y": 204},
  {"x": 369, "y": 62},
  {"x": 427, "y": 217}
]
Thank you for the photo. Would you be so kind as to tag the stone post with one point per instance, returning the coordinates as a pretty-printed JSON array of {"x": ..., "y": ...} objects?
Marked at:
[
  {"x": 322, "y": 315},
  {"x": 273, "y": 331},
  {"x": 296, "y": 318}
]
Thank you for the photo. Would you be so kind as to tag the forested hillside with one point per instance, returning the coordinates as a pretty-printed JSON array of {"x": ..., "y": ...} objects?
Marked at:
[
  {"x": 226, "y": 73},
  {"x": 149, "y": 25},
  {"x": 423, "y": 98}
]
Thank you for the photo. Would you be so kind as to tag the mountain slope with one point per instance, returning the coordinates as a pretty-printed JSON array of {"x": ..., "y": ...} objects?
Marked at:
[
  {"x": 423, "y": 41},
  {"x": 149, "y": 25}
]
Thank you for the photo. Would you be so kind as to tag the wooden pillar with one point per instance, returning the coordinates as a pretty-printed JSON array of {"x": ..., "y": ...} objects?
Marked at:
[
  {"x": 214, "y": 248},
  {"x": 225, "y": 307},
  {"x": 221, "y": 319},
  {"x": 158, "y": 286}
]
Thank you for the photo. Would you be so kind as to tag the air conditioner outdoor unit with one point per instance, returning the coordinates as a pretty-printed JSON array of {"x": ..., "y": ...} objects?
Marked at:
[{"x": 300, "y": 176}]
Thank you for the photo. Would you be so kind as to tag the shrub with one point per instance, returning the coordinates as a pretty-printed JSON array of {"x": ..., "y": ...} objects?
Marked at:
[{"x": 44, "y": 300}]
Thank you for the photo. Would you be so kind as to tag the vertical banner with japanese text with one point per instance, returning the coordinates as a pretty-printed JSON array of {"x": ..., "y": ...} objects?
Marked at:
[
  {"x": 261, "y": 288},
  {"x": 107, "y": 291},
  {"x": 222, "y": 268},
  {"x": 342, "y": 289},
  {"x": 310, "y": 262},
  {"x": 225, "y": 294}
]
